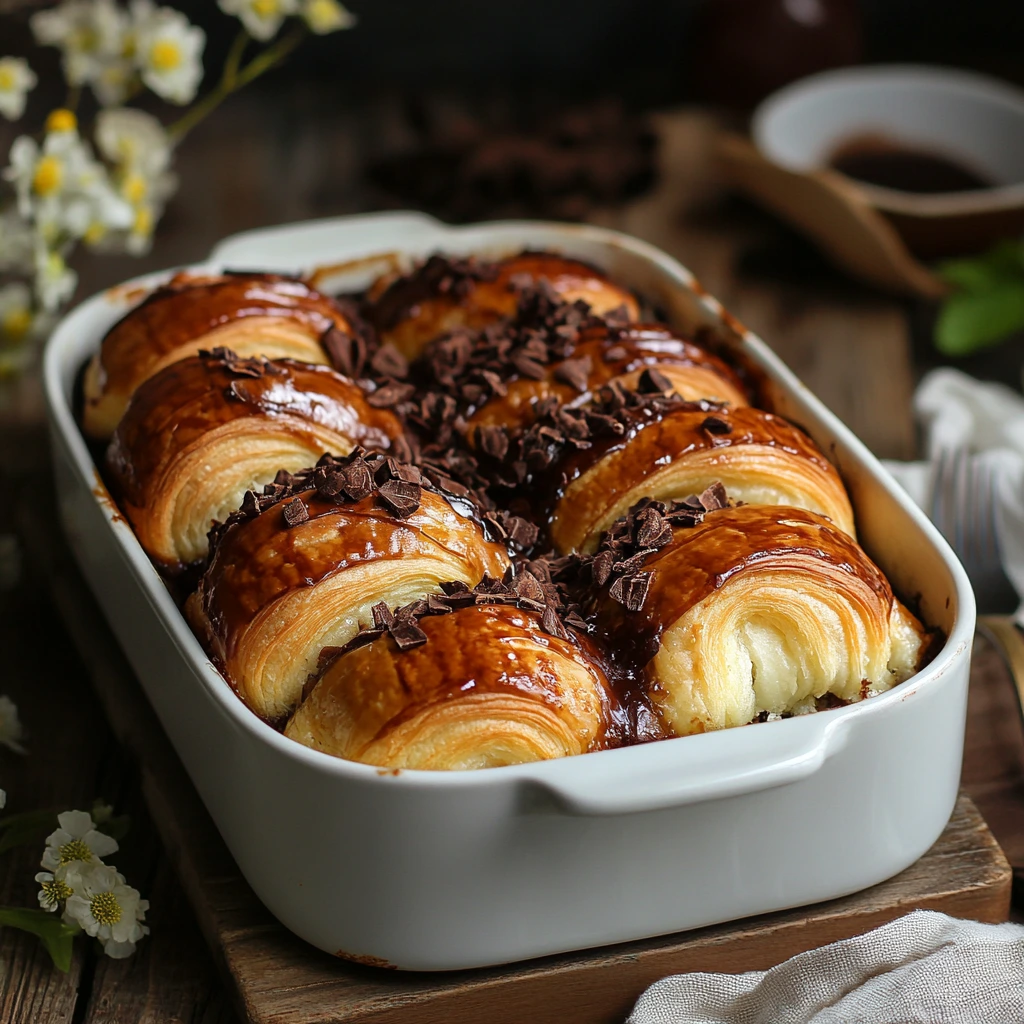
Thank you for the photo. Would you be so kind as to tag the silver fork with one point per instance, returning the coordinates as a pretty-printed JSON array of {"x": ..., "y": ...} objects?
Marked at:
[{"x": 963, "y": 507}]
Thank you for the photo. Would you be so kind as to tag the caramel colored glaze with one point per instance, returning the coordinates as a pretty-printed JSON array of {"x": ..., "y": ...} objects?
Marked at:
[
  {"x": 701, "y": 559},
  {"x": 175, "y": 408},
  {"x": 189, "y": 307},
  {"x": 410, "y": 317},
  {"x": 642, "y": 345},
  {"x": 590, "y": 482},
  {"x": 466, "y": 653},
  {"x": 486, "y": 673},
  {"x": 259, "y": 560}
]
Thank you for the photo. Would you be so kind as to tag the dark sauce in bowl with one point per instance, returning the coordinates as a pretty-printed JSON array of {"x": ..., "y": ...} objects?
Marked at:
[{"x": 889, "y": 163}]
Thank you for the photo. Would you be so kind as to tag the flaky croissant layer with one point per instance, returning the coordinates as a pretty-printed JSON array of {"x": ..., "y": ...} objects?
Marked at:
[{"x": 488, "y": 688}]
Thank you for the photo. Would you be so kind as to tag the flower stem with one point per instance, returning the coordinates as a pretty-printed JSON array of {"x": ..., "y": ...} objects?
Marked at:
[{"x": 235, "y": 77}]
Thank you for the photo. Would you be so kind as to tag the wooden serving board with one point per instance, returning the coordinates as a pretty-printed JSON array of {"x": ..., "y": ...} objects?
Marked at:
[{"x": 279, "y": 979}]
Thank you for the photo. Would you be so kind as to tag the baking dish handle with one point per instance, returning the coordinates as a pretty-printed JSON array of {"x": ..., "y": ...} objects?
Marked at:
[{"x": 760, "y": 765}]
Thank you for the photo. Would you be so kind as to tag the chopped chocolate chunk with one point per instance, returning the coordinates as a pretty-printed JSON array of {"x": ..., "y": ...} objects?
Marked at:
[
  {"x": 602, "y": 566},
  {"x": 550, "y": 623},
  {"x": 346, "y": 352},
  {"x": 402, "y": 499},
  {"x": 407, "y": 634},
  {"x": 649, "y": 525},
  {"x": 575, "y": 373},
  {"x": 295, "y": 512},
  {"x": 390, "y": 394},
  {"x": 389, "y": 362},
  {"x": 631, "y": 591},
  {"x": 383, "y": 617},
  {"x": 716, "y": 425},
  {"x": 653, "y": 381},
  {"x": 714, "y": 497},
  {"x": 528, "y": 367},
  {"x": 493, "y": 440}
]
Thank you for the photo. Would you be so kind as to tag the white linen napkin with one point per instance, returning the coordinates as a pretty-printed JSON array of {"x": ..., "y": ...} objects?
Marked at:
[
  {"x": 925, "y": 968},
  {"x": 956, "y": 411}
]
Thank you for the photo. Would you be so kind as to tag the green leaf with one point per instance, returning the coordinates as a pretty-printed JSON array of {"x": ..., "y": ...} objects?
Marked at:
[
  {"x": 1000, "y": 265},
  {"x": 28, "y": 827},
  {"x": 969, "y": 321},
  {"x": 55, "y": 935}
]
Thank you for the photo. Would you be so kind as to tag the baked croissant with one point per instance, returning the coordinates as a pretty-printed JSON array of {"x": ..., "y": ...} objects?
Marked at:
[
  {"x": 299, "y": 569},
  {"x": 749, "y": 611},
  {"x": 203, "y": 431},
  {"x": 444, "y": 294},
  {"x": 482, "y": 686},
  {"x": 604, "y": 353},
  {"x": 670, "y": 449},
  {"x": 251, "y": 314}
]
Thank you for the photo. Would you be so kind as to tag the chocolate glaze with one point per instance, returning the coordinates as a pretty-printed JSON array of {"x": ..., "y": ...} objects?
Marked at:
[
  {"x": 702, "y": 558},
  {"x": 261, "y": 559},
  {"x": 465, "y": 653},
  {"x": 613, "y": 352},
  {"x": 178, "y": 406},
  {"x": 189, "y": 307},
  {"x": 442, "y": 293}
]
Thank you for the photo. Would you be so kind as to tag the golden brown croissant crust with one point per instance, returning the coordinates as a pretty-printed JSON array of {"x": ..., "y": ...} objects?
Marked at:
[
  {"x": 602, "y": 353},
  {"x": 479, "y": 685},
  {"x": 528, "y": 389},
  {"x": 444, "y": 294},
  {"x": 699, "y": 549},
  {"x": 187, "y": 314},
  {"x": 176, "y": 408}
]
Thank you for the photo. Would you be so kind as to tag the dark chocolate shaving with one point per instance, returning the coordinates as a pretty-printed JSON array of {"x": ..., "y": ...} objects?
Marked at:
[
  {"x": 295, "y": 512},
  {"x": 716, "y": 425},
  {"x": 402, "y": 499}
]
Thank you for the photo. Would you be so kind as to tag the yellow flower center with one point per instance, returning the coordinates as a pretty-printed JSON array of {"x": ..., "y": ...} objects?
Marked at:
[
  {"x": 16, "y": 324},
  {"x": 75, "y": 850},
  {"x": 95, "y": 233},
  {"x": 134, "y": 188},
  {"x": 165, "y": 55},
  {"x": 61, "y": 120},
  {"x": 84, "y": 39},
  {"x": 7, "y": 80},
  {"x": 143, "y": 222},
  {"x": 55, "y": 892},
  {"x": 105, "y": 908},
  {"x": 266, "y": 8},
  {"x": 48, "y": 176}
]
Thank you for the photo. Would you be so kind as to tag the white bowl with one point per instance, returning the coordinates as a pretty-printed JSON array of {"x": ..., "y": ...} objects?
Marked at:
[
  {"x": 442, "y": 870},
  {"x": 976, "y": 120}
]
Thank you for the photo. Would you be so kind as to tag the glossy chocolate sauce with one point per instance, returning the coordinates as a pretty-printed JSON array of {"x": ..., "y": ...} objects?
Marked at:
[{"x": 888, "y": 163}]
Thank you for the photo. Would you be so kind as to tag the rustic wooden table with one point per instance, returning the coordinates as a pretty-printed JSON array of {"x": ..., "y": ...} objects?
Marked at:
[{"x": 265, "y": 162}]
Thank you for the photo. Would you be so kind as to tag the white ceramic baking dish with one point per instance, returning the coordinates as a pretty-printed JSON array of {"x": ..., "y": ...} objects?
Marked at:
[{"x": 443, "y": 870}]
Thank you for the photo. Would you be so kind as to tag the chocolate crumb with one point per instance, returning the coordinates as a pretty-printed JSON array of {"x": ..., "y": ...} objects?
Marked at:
[
  {"x": 653, "y": 381},
  {"x": 346, "y": 352},
  {"x": 295, "y": 512},
  {"x": 715, "y": 425},
  {"x": 401, "y": 498},
  {"x": 575, "y": 373}
]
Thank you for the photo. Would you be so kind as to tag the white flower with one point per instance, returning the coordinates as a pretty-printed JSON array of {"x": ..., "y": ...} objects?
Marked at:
[
  {"x": 261, "y": 18},
  {"x": 10, "y": 724},
  {"x": 133, "y": 140},
  {"x": 55, "y": 281},
  {"x": 168, "y": 51},
  {"x": 104, "y": 906},
  {"x": 324, "y": 16},
  {"x": 93, "y": 37},
  {"x": 76, "y": 840},
  {"x": 16, "y": 79},
  {"x": 64, "y": 190},
  {"x": 16, "y": 241},
  {"x": 54, "y": 890}
]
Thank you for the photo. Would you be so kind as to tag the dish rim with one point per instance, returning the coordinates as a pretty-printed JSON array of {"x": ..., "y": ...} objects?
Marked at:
[{"x": 786, "y": 748}]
